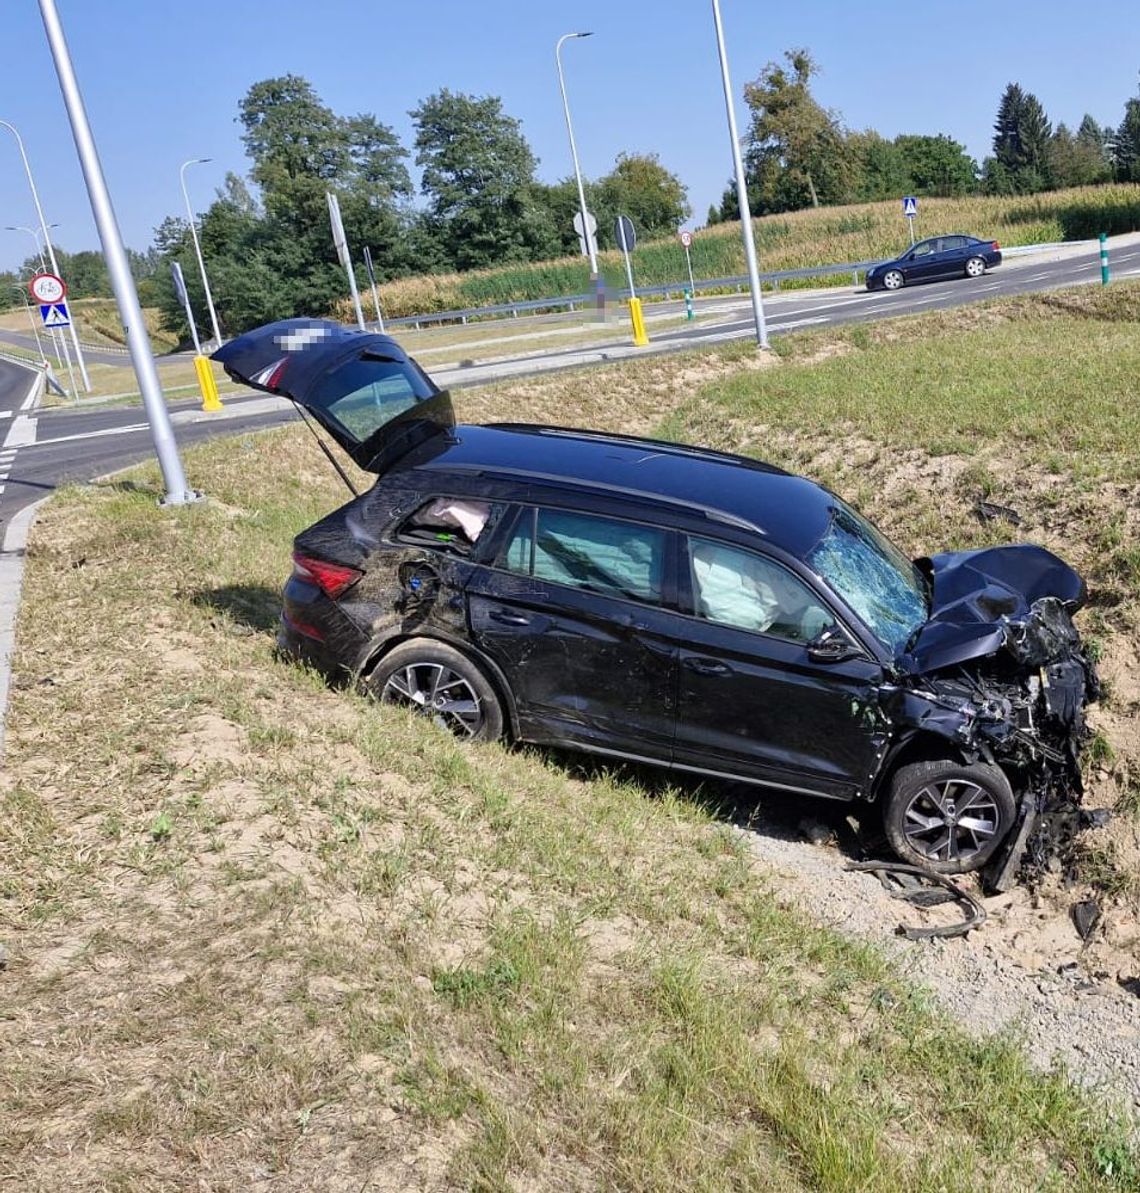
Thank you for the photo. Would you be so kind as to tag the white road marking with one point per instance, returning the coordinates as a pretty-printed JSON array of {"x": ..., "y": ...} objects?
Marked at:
[
  {"x": 91, "y": 434},
  {"x": 5, "y": 414},
  {"x": 27, "y": 402},
  {"x": 826, "y": 306},
  {"x": 798, "y": 323},
  {"x": 22, "y": 433}
]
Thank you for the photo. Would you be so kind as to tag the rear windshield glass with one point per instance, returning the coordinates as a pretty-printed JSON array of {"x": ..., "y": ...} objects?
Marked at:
[
  {"x": 365, "y": 393},
  {"x": 875, "y": 579}
]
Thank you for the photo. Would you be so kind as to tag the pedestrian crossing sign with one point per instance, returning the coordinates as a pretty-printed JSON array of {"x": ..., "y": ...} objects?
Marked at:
[
  {"x": 910, "y": 207},
  {"x": 55, "y": 314}
]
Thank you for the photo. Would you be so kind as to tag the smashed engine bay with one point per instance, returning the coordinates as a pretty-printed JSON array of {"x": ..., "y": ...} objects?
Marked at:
[{"x": 1012, "y": 692}]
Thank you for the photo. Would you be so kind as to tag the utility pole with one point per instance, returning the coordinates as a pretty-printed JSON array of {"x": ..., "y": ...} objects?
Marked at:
[
  {"x": 123, "y": 284},
  {"x": 741, "y": 187}
]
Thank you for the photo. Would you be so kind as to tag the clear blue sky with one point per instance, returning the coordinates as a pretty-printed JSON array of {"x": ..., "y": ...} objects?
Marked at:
[{"x": 158, "y": 93}]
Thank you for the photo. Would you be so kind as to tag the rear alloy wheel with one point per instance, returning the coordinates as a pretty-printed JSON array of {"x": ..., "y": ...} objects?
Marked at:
[
  {"x": 439, "y": 682},
  {"x": 893, "y": 279},
  {"x": 947, "y": 817},
  {"x": 975, "y": 267}
]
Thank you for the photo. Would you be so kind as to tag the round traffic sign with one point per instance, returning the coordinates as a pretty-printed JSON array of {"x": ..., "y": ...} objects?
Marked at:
[
  {"x": 686, "y": 238},
  {"x": 47, "y": 288}
]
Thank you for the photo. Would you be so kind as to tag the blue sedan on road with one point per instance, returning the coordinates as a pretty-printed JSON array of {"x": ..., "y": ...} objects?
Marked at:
[{"x": 938, "y": 257}]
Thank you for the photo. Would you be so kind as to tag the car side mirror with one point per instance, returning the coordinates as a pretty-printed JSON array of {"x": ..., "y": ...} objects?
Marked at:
[{"x": 831, "y": 646}]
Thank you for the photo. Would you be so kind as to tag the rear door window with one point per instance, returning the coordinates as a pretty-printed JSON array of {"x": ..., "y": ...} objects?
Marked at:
[{"x": 603, "y": 555}]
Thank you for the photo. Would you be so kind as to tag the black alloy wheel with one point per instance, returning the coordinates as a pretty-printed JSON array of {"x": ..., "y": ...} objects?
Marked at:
[
  {"x": 439, "y": 682},
  {"x": 947, "y": 817}
]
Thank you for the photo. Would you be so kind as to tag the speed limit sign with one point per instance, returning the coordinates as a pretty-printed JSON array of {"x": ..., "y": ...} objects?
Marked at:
[
  {"x": 686, "y": 238},
  {"x": 47, "y": 288}
]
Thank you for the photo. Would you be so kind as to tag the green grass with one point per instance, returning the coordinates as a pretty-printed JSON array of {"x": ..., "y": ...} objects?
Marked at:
[{"x": 261, "y": 930}]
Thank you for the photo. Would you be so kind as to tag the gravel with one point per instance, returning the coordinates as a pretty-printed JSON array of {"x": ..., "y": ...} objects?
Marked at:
[{"x": 1088, "y": 1023}]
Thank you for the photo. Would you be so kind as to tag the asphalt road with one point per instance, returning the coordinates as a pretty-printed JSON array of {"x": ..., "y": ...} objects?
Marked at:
[{"x": 43, "y": 448}]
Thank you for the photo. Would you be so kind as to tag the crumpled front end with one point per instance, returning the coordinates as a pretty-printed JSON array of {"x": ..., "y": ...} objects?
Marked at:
[{"x": 1020, "y": 707}]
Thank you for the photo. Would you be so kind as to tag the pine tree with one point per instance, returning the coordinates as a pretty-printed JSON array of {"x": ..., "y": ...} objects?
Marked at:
[{"x": 1126, "y": 144}]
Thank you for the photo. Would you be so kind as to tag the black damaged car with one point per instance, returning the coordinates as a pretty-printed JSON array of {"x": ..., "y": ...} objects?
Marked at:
[{"x": 674, "y": 605}]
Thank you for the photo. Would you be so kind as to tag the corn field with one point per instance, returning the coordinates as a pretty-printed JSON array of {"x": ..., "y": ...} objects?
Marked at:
[{"x": 797, "y": 240}]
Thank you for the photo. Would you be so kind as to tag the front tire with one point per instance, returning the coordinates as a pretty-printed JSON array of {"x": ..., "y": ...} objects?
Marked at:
[
  {"x": 893, "y": 279},
  {"x": 438, "y": 681},
  {"x": 975, "y": 267},
  {"x": 947, "y": 817}
]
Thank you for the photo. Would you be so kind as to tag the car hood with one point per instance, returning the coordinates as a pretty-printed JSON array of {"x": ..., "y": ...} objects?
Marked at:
[
  {"x": 982, "y": 601},
  {"x": 386, "y": 405}
]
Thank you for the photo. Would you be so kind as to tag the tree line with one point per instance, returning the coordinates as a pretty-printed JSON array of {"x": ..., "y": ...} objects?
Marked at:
[
  {"x": 266, "y": 237},
  {"x": 269, "y": 249},
  {"x": 800, "y": 154}
]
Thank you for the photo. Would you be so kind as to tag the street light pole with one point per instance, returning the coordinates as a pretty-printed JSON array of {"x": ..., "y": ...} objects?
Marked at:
[
  {"x": 590, "y": 246},
  {"x": 741, "y": 187},
  {"x": 44, "y": 225},
  {"x": 198, "y": 161},
  {"x": 123, "y": 284},
  {"x": 32, "y": 323}
]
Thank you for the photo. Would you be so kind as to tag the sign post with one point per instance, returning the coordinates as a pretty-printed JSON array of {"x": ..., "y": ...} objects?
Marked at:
[
  {"x": 587, "y": 241},
  {"x": 910, "y": 210},
  {"x": 50, "y": 291},
  {"x": 184, "y": 298},
  {"x": 206, "y": 382},
  {"x": 627, "y": 239},
  {"x": 687, "y": 240},
  {"x": 372, "y": 282},
  {"x": 342, "y": 253}
]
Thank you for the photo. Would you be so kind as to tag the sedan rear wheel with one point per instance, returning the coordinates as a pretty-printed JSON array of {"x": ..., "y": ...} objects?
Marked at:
[
  {"x": 437, "y": 681},
  {"x": 948, "y": 817},
  {"x": 893, "y": 279},
  {"x": 975, "y": 267}
]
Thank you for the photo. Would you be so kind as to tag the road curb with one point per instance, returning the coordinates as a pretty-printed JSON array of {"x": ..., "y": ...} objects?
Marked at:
[{"x": 11, "y": 578}]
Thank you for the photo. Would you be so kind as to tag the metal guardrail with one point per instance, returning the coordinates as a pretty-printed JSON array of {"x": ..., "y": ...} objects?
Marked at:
[
  {"x": 573, "y": 301},
  {"x": 738, "y": 283}
]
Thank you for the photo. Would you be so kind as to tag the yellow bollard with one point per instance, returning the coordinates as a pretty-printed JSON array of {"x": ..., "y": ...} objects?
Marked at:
[
  {"x": 640, "y": 339},
  {"x": 210, "y": 399}
]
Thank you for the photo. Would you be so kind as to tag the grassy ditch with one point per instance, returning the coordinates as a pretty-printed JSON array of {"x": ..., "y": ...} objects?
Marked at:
[
  {"x": 796, "y": 240},
  {"x": 262, "y": 934}
]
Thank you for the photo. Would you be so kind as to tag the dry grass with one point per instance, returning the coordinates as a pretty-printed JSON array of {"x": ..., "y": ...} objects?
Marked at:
[{"x": 264, "y": 935}]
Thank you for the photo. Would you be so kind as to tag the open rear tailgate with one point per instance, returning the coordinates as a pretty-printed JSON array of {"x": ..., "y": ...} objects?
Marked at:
[{"x": 370, "y": 396}]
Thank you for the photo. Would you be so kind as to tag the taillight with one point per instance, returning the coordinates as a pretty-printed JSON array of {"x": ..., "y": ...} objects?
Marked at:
[
  {"x": 332, "y": 579},
  {"x": 995, "y": 246}
]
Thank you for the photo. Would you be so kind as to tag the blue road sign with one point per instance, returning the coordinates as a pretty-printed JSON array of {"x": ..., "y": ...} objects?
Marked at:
[
  {"x": 55, "y": 314},
  {"x": 910, "y": 207}
]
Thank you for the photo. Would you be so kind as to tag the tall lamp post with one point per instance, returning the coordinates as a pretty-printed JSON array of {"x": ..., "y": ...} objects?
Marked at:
[
  {"x": 590, "y": 248},
  {"x": 741, "y": 187},
  {"x": 123, "y": 284},
  {"x": 199, "y": 161},
  {"x": 21, "y": 289},
  {"x": 47, "y": 243}
]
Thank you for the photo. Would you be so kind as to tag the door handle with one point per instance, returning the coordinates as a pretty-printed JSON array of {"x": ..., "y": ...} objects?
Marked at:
[
  {"x": 703, "y": 666},
  {"x": 505, "y": 618}
]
